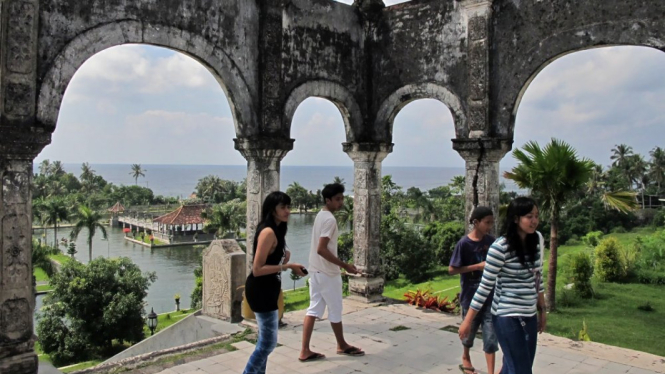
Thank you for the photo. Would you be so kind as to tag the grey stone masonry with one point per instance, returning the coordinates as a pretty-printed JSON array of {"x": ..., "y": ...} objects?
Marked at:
[
  {"x": 478, "y": 57},
  {"x": 223, "y": 274},
  {"x": 263, "y": 160},
  {"x": 367, "y": 158}
]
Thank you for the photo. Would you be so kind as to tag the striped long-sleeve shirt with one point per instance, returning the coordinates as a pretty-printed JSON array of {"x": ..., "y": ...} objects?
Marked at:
[{"x": 515, "y": 291}]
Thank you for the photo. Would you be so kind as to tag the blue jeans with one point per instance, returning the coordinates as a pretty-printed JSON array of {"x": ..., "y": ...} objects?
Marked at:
[
  {"x": 266, "y": 343},
  {"x": 517, "y": 337},
  {"x": 484, "y": 318}
]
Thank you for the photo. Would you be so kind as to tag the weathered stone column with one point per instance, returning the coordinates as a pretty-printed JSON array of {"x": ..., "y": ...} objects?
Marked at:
[
  {"x": 21, "y": 139},
  {"x": 367, "y": 158},
  {"x": 482, "y": 158},
  {"x": 263, "y": 161}
]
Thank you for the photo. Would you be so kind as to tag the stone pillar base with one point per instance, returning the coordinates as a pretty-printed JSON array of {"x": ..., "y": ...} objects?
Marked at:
[
  {"x": 26, "y": 363},
  {"x": 368, "y": 290}
]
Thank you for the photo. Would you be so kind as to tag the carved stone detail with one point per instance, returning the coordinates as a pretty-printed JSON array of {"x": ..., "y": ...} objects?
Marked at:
[
  {"x": 15, "y": 320},
  {"x": 477, "y": 28},
  {"x": 15, "y": 251},
  {"x": 20, "y": 31},
  {"x": 19, "y": 99},
  {"x": 223, "y": 274}
]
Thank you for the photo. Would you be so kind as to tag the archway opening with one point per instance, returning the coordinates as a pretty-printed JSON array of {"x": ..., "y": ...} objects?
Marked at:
[{"x": 152, "y": 107}]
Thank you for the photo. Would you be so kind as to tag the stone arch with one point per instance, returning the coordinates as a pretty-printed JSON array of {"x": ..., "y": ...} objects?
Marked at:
[
  {"x": 526, "y": 84},
  {"x": 389, "y": 108},
  {"x": 337, "y": 94},
  {"x": 85, "y": 45},
  {"x": 523, "y": 49}
]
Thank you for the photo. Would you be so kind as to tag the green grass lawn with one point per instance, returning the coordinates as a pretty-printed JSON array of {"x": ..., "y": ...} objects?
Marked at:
[
  {"x": 61, "y": 258},
  {"x": 40, "y": 275},
  {"x": 296, "y": 300},
  {"x": 440, "y": 283},
  {"x": 44, "y": 287},
  {"x": 613, "y": 317},
  {"x": 80, "y": 366},
  {"x": 165, "y": 320}
]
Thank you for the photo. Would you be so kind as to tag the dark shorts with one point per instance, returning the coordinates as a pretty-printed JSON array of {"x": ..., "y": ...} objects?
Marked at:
[{"x": 484, "y": 319}]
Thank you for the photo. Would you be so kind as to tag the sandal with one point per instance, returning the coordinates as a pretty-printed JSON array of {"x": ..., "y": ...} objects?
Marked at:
[
  {"x": 352, "y": 351},
  {"x": 466, "y": 370},
  {"x": 312, "y": 357}
]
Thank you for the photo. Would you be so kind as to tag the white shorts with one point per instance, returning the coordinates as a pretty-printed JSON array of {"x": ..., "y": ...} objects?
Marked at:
[{"x": 325, "y": 290}]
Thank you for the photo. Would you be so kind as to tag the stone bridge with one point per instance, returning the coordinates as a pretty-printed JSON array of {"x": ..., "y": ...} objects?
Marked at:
[{"x": 476, "y": 56}]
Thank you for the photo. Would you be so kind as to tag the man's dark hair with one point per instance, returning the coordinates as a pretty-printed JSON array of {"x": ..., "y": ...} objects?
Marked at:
[{"x": 331, "y": 190}]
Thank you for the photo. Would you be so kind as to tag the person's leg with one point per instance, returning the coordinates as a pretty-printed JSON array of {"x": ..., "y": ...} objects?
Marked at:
[
  {"x": 331, "y": 292},
  {"x": 317, "y": 306},
  {"x": 514, "y": 340},
  {"x": 490, "y": 343},
  {"x": 265, "y": 344},
  {"x": 467, "y": 342}
]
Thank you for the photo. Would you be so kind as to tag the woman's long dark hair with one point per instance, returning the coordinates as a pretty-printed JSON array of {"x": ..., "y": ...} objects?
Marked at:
[
  {"x": 268, "y": 220},
  {"x": 518, "y": 208}
]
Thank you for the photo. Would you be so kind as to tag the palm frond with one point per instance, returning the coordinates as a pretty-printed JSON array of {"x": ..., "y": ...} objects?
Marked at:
[{"x": 623, "y": 201}]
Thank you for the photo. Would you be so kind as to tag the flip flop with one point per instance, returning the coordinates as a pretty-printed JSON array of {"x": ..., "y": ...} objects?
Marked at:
[
  {"x": 466, "y": 370},
  {"x": 352, "y": 351},
  {"x": 312, "y": 357}
]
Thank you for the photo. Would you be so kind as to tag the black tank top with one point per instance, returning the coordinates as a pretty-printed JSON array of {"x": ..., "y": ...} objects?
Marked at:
[{"x": 262, "y": 292}]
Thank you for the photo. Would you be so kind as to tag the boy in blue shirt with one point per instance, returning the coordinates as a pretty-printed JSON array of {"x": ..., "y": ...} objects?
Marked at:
[{"x": 468, "y": 259}]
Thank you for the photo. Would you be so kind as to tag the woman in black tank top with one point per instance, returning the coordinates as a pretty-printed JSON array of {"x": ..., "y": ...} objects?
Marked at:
[{"x": 264, "y": 281}]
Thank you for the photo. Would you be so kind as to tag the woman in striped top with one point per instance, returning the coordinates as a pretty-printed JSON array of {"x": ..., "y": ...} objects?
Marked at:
[{"x": 513, "y": 268}]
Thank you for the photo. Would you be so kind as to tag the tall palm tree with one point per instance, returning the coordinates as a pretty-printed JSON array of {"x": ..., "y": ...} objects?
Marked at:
[
  {"x": 54, "y": 211},
  {"x": 86, "y": 172},
  {"x": 657, "y": 166},
  {"x": 637, "y": 169},
  {"x": 620, "y": 155},
  {"x": 137, "y": 172},
  {"x": 91, "y": 220},
  {"x": 552, "y": 173},
  {"x": 57, "y": 169},
  {"x": 339, "y": 180},
  {"x": 45, "y": 167},
  {"x": 623, "y": 201}
]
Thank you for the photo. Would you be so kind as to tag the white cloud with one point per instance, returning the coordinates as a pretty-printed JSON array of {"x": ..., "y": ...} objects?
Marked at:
[{"x": 175, "y": 123}]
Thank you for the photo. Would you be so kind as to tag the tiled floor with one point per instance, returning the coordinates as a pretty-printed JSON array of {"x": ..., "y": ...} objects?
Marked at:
[{"x": 423, "y": 348}]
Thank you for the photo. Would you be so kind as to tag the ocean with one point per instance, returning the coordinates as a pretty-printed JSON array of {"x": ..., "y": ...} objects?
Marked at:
[{"x": 181, "y": 180}]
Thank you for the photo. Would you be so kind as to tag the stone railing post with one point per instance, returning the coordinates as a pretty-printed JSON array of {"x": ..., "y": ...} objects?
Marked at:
[
  {"x": 367, "y": 158},
  {"x": 223, "y": 274},
  {"x": 263, "y": 162},
  {"x": 482, "y": 157}
]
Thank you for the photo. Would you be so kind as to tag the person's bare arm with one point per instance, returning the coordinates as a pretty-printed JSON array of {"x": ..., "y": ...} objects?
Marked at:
[
  {"x": 323, "y": 251},
  {"x": 267, "y": 241},
  {"x": 453, "y": 270}
]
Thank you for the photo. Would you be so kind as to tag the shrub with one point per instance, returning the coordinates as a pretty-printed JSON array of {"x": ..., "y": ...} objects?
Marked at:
[
  {"x": 582, "y": 270},
  {"x": 592, "y": 239},
  {"x": 659, "y": 218},
  {"x": 609, "y": 267},
  {"x": 648, "y": 276},
  {"x": 568, "y": 299},
  {"x": 618, "y": 230},
  {"x": 573, "y": 241},
  {"x": 652, "y": 250},
  {"x": 404, "y": 251},
  {"x": 443, "y": 237}
]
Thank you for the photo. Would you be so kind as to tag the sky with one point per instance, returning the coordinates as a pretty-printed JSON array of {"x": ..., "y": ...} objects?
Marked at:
[{"x": 150, "y": 105}]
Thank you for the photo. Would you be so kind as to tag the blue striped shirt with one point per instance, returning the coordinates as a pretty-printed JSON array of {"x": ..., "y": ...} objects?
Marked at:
[{"x": 514, "y": 284}]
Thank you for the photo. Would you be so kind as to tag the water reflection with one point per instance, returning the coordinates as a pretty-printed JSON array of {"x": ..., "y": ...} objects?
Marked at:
[{"x": 175, "y": 266}]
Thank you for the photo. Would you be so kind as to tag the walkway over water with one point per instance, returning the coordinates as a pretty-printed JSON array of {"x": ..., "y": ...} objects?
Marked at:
[{"x": 423, "y": 348}]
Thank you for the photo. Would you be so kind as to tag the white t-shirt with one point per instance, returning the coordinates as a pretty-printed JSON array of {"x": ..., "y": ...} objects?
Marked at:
[{"x": 325, "y": 226}]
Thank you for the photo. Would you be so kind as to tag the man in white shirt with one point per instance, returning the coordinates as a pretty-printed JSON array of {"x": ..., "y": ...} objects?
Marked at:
[{"x": 325, "y": 283}]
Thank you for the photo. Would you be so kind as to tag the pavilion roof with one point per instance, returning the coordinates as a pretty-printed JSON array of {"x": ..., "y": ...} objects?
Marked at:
[
  {"x": 185, "y": 215},
  {"x": 117, "y": 208}
]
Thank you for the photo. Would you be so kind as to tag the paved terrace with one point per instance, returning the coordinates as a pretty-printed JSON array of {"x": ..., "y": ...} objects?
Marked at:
[{"x": 423, "y": 348}]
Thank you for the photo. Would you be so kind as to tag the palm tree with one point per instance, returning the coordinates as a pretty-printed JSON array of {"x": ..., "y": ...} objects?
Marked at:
[
  {"x": 137, "y": 172},
  {"x": 86, "y": 172},
  {"x": 299, "y": 195},
  {"x": 623, "y": 201},
  {"x": 552, "y": 173},
  {"x": 339, "y": 180},
  {"x": 54, "y": 211},
  {"x": 45, "y": 167},
  {"x": 57, "y": 169},
  {"x": 91, "y": 220},
  {"x": 620, "y": 155},
  {"x": 637, "y": 173},
  {"x": 345, "y": 215},
  {"x": 657, "y": 166},
  {"x": 224, "y": 218}
]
